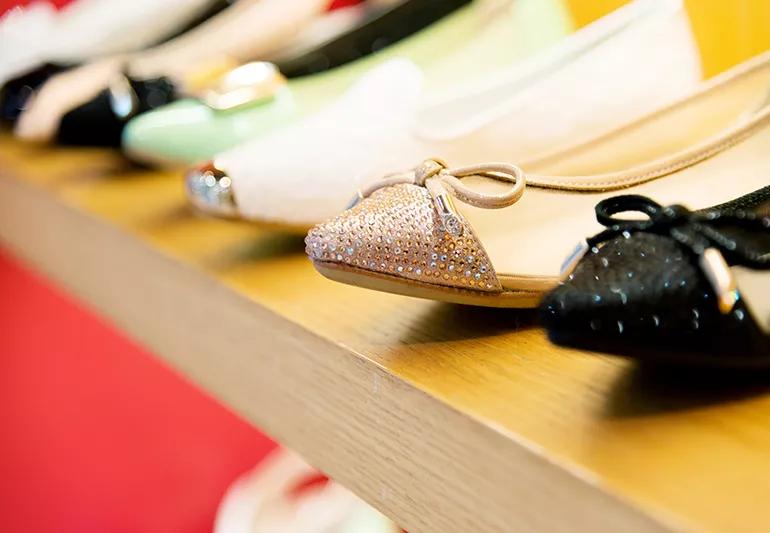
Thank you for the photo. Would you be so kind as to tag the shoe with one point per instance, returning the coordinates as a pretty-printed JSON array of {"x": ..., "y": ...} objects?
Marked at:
[
  {"x": 83, "y": 92},
  {"x": 190, "y": 131},
  {"x": 377, "y": 27},
  {"x": 17, "y": 92},
  {"x": 231, "y": 35},
  {"x": 100, "y": 121},
  {"x": 85, "y": 29},
  {"x": 22, "y": 32},
  {"x": 284, "y": 494},
  {"x": 389, "y": 120},
  {"x": 663, "y": 288},
  {"x": 407, "y": 237},
  {"x": 331, "y": 40}
]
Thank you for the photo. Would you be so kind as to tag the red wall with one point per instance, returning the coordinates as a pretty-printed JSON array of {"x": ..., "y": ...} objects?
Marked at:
[
  {"x": 97, "y": 435},
  {"x": 5, "y": 5}
]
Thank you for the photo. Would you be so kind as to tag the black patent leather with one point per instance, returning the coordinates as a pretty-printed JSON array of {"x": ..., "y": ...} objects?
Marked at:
[
  {"x": 380, "y": 29},
  {"x": 96, "y": 122}
]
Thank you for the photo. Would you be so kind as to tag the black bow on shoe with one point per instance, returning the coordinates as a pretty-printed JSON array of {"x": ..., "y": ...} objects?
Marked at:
[
  {"x": 696, "y": 230},
  {"x": 710, "y": 235}
]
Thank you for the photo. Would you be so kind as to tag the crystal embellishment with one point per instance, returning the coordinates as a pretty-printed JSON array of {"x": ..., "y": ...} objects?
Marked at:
[
  {"x": 397, "y": 231},
  {"x": 211, "y": 189}
]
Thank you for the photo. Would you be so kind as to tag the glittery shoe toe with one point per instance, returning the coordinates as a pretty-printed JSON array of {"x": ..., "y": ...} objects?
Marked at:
[{"x": 398, "y": 232}]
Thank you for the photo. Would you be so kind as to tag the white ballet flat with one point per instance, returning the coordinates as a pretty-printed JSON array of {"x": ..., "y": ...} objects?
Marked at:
[
  {"x": 89, "y": 28},
  {"x": 626, "y": 64},
  {"x": 247, "y": 31},
  {"x": 86, "y": 29},
  {"x": 23, "y": 32}
]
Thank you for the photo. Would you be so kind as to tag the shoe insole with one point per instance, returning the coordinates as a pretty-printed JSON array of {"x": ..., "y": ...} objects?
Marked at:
[{"x": 534, "y": 236}]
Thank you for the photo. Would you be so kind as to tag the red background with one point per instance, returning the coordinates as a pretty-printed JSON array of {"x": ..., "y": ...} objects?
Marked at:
[
  {"x": 7, "y": 4},
  {"x": 97, "y": 435}
]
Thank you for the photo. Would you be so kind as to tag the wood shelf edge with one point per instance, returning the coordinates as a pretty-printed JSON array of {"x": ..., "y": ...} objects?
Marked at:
[{"x": 426, "y": 465}]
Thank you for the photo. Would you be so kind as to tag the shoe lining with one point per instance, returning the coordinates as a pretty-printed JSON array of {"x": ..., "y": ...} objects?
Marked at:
[
  {"x": 667, "y": 132},
  {"x": 533, "y": 237}
]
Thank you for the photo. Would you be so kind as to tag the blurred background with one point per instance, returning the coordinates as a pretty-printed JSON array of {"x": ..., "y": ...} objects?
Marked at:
[
  {"x": 727, "y": 32},
  {"x": 99, "y": 436}
]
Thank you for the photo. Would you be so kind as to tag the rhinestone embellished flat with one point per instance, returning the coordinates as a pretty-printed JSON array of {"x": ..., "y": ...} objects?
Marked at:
[
  {"x": 406, "y": 235},
  {"x": 410, "y": 230}
]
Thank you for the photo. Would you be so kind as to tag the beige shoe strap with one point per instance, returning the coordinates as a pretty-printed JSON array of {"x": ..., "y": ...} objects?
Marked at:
[
  {"x": 659, "y": 168},
  {"x": 442, "y": 183},
  {"x": 437, "y": 177}
]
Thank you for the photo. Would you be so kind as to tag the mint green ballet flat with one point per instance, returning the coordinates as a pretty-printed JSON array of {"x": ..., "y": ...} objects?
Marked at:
[{"x": 482, "y": 36}]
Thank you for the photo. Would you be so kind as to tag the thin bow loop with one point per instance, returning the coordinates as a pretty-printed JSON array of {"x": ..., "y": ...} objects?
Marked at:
[
  {"x": 450, "y": 180},
  {"x": 442, "y": 183},
  {"x": 608, "y": 208},
  {"x": 503, "y": 172},
  {"x": 696, "y": 230}
]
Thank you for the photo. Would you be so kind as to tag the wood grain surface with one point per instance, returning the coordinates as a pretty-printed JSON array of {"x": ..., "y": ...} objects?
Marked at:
[{"x": 447, "y": 418}]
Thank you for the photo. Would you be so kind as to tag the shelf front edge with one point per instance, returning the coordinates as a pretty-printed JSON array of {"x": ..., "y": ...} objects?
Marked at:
[{"x": 418, "y": 460}]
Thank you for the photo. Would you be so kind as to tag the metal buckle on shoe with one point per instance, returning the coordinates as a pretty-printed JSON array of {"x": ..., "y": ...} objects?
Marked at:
[
  {"x": 721, "y": 279},
  {"x": 249, "y": 84}
]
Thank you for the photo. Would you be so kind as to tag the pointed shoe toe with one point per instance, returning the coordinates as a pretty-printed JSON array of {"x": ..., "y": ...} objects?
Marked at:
[{"x": 396, "y": 234}]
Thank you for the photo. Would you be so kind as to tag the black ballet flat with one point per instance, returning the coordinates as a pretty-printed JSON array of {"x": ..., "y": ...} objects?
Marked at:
[
  {"x": 100, "y": 121},
  {"x": 16, "y": 92},
  {"x": 679, "y": 287},
  {"x": 379, "y": 28}
]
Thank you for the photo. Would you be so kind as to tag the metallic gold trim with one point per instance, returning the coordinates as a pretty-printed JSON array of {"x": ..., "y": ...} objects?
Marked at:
[{"x": 249, "y": 84}]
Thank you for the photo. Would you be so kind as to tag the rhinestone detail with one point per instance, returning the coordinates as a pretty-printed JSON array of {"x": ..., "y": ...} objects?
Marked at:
[
  {"x": 397, "y": 231},
  {"x": 211, "y": 190}
]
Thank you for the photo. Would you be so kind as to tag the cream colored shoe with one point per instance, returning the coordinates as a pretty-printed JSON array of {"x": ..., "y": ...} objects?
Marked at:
[{"x": 407, "y": 237}]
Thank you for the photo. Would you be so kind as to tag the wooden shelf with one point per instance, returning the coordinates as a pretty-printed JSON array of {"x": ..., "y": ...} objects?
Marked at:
[{"x": 445, "y": 418}]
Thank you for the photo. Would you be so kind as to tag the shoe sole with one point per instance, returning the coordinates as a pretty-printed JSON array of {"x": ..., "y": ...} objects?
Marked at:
[{"x": 417, "y": 289}]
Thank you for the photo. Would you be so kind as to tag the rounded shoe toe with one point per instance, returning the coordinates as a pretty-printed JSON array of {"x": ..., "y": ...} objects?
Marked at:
[{"x": 210, "y": 189}]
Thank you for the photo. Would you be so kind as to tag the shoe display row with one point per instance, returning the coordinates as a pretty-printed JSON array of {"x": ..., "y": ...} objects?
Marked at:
[
  {"x": 87, "y": 29},
  {"x": 394, "y": 117},
  {"x": 477, "y": 152}
]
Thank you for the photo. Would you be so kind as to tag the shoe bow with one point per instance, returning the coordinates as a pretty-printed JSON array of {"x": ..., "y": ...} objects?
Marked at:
[
  {"x": 443, "y": 183},
  {"x": 701, "y": 232}
]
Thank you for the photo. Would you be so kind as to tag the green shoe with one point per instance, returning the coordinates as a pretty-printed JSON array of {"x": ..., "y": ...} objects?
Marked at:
[{"x": 471, "y": 41}]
